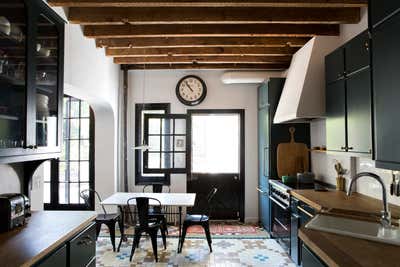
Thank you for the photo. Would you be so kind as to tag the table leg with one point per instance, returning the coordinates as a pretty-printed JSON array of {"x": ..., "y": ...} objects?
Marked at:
[
  {"x": 180, "y": 229},
  {"x": 122, "y": 228}
]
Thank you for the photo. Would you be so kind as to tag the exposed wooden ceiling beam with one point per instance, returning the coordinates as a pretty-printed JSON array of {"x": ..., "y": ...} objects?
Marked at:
[
  {"x": 202, "y": 59},
  {"x": 209, "y": 3},
  {"x": 207, "y": 66},
  {"x": 202, "y": 51},
  {"x": 211, "y": 15},
  {"x": 154, "y": 42},
  {"x": 222, "y": 30}
]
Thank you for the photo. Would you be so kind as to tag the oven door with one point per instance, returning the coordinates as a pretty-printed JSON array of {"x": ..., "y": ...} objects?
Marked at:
[{"x": 280, "y": 228}]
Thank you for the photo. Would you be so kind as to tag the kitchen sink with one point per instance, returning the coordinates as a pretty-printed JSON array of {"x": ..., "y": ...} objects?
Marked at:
[{"x": 355, "y": 228}]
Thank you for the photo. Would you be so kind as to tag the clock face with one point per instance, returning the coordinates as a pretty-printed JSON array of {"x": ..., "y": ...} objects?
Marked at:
[{"x": 191, "y": 90}]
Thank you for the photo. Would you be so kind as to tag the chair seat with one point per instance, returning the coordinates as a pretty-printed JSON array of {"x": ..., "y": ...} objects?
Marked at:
[
  {"x": 107, "y": 217},
  {"x": 196, "y": 218}
]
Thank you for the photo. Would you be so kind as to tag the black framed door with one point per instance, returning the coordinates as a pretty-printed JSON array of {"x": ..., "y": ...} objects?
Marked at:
[{"x": 216, "y": 159}]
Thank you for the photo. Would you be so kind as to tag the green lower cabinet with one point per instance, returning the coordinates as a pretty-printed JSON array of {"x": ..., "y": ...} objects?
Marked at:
[
  {"x": 58, "y": 258},
  {"x": 309, "y": 259}
]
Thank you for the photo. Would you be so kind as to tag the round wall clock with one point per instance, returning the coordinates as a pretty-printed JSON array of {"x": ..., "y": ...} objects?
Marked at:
[{"x": 191, "y": 90}]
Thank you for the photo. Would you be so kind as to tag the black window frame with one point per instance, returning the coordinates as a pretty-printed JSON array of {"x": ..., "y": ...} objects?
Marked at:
[
  {"x": 55, "y": 166},
  {"x": 139, "y": 178}
]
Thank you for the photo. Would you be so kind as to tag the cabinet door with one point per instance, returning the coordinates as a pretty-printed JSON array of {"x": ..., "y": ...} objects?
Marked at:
[
  {"x": 82, "y": 249},
  {"x": 58, "y": 258},
  {"x": 334, "y": 63},
  {"x": 309, "y": 259},
  {"x": 13, "y": 82},
  {"x": 386, "y": 82},
  {"x": 357, "y": 53},
  {"x": 48, "y": 79},
  {"x": 336, "y": 116},
  {"x": 381, "y": 9},
  {"x": 359, "y": 136}
]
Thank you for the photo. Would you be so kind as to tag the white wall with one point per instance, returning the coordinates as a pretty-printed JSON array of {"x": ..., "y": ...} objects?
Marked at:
[
  {"x": 160, "y": 88},
  {"x": 322, "y": 164},
  {"x": 91, "y": 76}
]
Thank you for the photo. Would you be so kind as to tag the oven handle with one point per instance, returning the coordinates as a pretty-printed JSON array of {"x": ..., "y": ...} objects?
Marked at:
[
  {"x": 305, "y": 212},
  {"x": 278, "y": 203}
]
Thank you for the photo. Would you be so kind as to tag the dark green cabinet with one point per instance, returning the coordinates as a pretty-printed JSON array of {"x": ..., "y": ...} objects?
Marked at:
[
  {"x": 386, "y": 82},
  {"x": 31, "y": 81},
  {"x": 359, "y": 121},
  {"x": 58, "y": 258},
  {"x": 309, "y": 259},
  {"x": 382, "y": 9},
  {"x": 348, "y": 99},
  {"x": 334, "y": 63},
  {"x": 336, "y": 116}
]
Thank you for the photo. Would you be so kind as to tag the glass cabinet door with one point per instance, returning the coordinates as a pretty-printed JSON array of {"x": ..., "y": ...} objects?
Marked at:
[
  {"x": 13, "y": 29},
  {"x": 47, "y": 97}
]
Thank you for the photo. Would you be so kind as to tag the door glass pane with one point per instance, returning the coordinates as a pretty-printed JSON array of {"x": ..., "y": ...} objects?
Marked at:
[
  {"x": 215, "y": 143},
  {"x": 154, "y": 143},
  {"x": 167, "y": 126},
  {"x": 85, "y": 125},
  {"x": 84, "y": 171},
  {"x": 154, "y": 126},
  {"x": 180, "y": 126},
  {"x": 74, "y": 193},
  {"x": 154, "y": 160},
  {"x": 46, "y": 83},
  {"x": 167, "y": 142},
  {"x": 74, "y": 128},
  {"x": 12, "y": 75},
  {"x": 74, "y": 150},
  {"x": 180, "y": 143},
  {"x": 166, "y": 160},
  {"x": 84, "y": 150},
  {"x": 179, "y": 160}
]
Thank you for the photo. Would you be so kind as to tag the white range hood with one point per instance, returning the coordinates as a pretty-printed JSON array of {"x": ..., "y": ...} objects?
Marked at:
[{"x": 303, "y": 96}]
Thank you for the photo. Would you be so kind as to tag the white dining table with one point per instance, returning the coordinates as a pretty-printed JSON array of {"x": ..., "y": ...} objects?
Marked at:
[{"x": 179, "y": 200}]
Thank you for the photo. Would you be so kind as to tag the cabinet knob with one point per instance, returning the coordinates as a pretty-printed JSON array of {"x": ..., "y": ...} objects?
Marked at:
[
  {"x": 350, "y": 148},
  {"x": 366, "y": 45},
  {"x": 343, "y": 148},
  {"x": 30, "y": 147}
]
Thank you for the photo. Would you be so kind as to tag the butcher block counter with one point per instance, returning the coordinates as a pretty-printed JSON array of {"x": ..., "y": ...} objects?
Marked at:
[
  {"x": 47, "y": 233},
  {"x": 337, "y": 250}
]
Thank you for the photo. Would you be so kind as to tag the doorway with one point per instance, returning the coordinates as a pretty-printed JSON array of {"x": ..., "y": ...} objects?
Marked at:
[{"x": 216, "y": 159}]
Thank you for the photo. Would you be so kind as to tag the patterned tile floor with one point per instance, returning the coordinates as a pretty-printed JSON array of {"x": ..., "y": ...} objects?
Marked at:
[{"x": 226, "y": 252}]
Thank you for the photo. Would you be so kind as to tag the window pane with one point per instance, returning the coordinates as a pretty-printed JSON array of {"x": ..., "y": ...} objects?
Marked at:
[
  {"x": 180, "y": 160},
  {"x": 84, "y": 186},
  {"x": 154, "y": 161},
  {"x": 65, "y": 128},
  {"x": 154, "y": 126},
  {"x": 180, "y": 126},
  {"x": 63, "y": 150},
  {"x": 167, "y": 126},
  {"x": 85, "y": 146},
  {"x": 215, "y": 143},
  {"x": 85, "y": 132},
  {"x": 167, "y": 143},
  {"x": 180, "y": 143},
  {"x": 74, "y": 150},
  {"x": 74, "y": 109},
  {"x": 62, "y": 193},
  {"x": 66, "y": 107},
  {"x": 166, "y": 160},
  {"x": 84, "y": 171},
  {"x": 62, "y": 171},
  {"x": 74, "y": 193},
  {"x": 73, "y": 171},
  {"x": 74, "y": 131},
  {"x": 154, "y": 143},
  {"x": 46, "y": 197},
  {"x": 85, "y": 110}
]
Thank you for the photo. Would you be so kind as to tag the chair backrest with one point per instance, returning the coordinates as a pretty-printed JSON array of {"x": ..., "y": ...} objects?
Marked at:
[
  {"x": 86, "y": 194},
  {"x": 210, "y": 198},
  {"x": 142, "y": 206},
  {"x": 156, "y": 188}
]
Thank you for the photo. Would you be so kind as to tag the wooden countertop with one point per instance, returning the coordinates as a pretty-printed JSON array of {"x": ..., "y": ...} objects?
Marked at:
[
  {"x": 337, "y": 250},
  {"x": 343, "y": 251},
  {"x": 337, "y": 202},
  {"x": 44, "y": 232}
]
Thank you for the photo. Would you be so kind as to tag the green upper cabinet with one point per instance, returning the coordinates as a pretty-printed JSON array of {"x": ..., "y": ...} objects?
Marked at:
[
  {"x": 348, "y": 98},
  {"x": 382, "y": 9},
  {"x": 334, "y": 63},
  {"x": 357, "y": 53},
  {"x": 386, "y": 88},
  {"x": 336, "y": 116}
]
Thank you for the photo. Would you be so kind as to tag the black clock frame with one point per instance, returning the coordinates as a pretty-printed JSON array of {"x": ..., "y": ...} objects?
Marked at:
[{"x": 191, "y": 103}]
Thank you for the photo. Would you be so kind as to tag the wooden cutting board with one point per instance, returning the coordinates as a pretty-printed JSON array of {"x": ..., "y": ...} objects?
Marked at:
[{"x": 292, "y": 157}]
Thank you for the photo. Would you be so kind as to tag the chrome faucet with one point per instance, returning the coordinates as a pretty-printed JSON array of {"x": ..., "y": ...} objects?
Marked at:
[{"x": 386, "y": 217}]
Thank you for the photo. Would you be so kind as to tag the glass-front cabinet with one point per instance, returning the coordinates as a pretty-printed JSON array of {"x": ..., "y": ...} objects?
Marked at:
[{"x": 31, "y": 78}]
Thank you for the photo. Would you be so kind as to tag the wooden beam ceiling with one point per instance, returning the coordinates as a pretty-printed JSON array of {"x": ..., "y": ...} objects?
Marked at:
[
  {"x": 204, "y": 30},
  {"x": 202, "y": 51},
  {"x": 211, "y": 15},
  {"x": 232, "y": 34},
  {"x": 209, "y": 3},
  {"x": 155, "y": 42}
]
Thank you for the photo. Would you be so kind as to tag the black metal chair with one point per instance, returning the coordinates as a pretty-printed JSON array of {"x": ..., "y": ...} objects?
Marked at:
[
  {"x": 202, "y": 220},
  {"x": 156, "y": 212},
  {"x": 145, "y": 225},
  {"x": 109, "y": 219}
]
